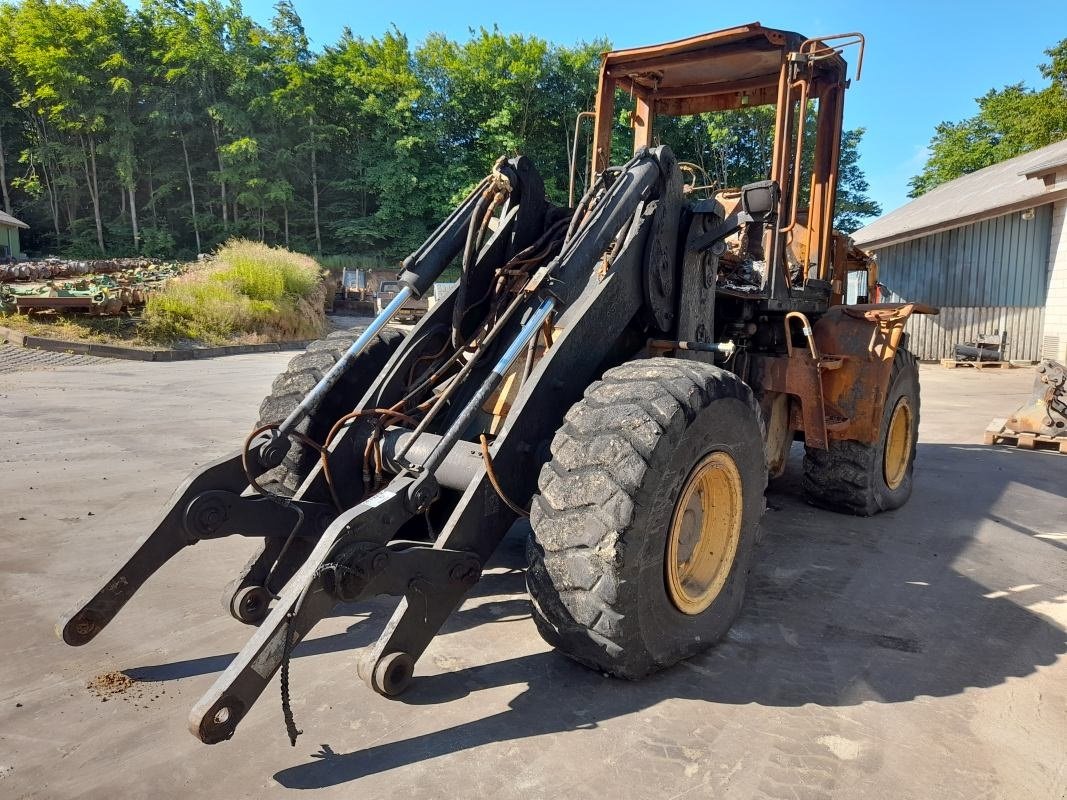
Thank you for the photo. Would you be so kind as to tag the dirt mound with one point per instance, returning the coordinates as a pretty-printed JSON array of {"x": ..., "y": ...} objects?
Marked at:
[
  {"x": 110, "y": 684},
  {"x": 120, "y": 685}
]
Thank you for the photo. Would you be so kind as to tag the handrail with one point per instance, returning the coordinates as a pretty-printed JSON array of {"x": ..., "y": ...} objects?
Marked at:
[
  {"x": 853, "y": 37},
  {"x": 808, "y": 334},
  {"x": 574, "y": 153}
]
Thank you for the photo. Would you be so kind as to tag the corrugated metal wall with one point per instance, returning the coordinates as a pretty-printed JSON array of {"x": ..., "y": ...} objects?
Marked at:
[
  {"x": 933, "y": 337},
  {"x": 985, "y": 277}
]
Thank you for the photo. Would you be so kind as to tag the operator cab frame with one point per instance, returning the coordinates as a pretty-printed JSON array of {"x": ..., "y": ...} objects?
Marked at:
[{"x": 741, "y": 67}]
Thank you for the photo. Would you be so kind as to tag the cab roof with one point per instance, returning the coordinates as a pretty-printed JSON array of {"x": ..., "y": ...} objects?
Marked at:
[{"x": 744, "y": 58}]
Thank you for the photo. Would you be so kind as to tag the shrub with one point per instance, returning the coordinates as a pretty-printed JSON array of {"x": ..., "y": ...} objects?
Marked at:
[
  {"x": 250, "y": 291},
  {"x": 266, "y": 273},
  {"x": 157, "y": 243}
]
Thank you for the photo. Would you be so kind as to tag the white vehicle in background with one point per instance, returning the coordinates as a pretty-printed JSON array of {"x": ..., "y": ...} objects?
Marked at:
[{"x": 411, "y": 311}]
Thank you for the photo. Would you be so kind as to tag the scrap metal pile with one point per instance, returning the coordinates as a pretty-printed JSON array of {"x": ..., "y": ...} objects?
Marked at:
[
  {"x": 102, "y": 287},
  {"x": 1046, "y": 412}
]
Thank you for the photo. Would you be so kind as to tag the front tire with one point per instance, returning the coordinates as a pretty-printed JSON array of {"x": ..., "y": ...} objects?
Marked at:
[
  {"x": 647, "y": 516},
  {"x": 246, "y": 598}
]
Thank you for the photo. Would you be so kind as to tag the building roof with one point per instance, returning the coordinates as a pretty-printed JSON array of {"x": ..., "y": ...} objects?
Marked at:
[
  {"x": 7, "y": 219},
  {"x": 1013, "y": 185}
]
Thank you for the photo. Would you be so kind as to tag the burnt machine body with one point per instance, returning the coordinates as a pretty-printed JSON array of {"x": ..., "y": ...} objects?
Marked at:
[{"x": 415, "y": 485}]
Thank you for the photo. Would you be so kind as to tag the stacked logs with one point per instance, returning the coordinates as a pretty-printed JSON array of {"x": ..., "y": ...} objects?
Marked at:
[{"x": 50, "y": 268}]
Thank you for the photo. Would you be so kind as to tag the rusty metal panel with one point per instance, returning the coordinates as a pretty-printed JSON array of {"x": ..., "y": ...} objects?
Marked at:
[{"x": 838, "y": 382}]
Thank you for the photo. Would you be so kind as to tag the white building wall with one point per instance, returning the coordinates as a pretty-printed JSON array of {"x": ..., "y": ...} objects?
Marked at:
[{"x": 1054, "y": 341}]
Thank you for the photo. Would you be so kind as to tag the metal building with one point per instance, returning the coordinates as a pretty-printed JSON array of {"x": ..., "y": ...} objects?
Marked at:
[
  {"x": 9, "y": 236},
  {"x": 990, "y": 249}
]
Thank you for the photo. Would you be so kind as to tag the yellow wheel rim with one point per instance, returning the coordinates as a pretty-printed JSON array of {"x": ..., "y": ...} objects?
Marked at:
[
  {"x": 705, "y": 529},
  {"x": 898, "y": 445}
]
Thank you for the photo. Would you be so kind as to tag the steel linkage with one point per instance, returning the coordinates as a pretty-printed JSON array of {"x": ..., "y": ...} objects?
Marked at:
[{"x": 352, "y": 531}]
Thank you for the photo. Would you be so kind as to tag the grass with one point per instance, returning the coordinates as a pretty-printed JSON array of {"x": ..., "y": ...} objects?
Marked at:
[
  {"x": 107, "y": 330},
  {"x": 250, "y": 292}
]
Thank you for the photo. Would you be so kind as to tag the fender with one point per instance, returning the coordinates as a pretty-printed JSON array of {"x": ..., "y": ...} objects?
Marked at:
[
  {"x": 865, "y": 338},
  {"x": 839, "y": 381}
]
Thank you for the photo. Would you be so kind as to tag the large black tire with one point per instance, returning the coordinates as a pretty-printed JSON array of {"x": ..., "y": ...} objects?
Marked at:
[
  {"x": 850, "y": 477},
  {"x": 303, "y": 372},
  {"x": 607, "y": 499}
]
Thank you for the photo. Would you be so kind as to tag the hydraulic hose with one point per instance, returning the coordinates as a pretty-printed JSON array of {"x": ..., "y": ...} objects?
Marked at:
[
  {"x": 459, "y": 425},
  {"x": 273, "y": 451}
]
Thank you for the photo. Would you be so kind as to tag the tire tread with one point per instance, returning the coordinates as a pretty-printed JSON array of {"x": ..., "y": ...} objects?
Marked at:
[
  {"x": 587, "y": 493},
  {"x": 301, "y": 375}
]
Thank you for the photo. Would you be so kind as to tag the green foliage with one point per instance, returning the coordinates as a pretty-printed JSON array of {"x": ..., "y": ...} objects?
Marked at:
[
  {"x": 1010, "y": 121},
  {"x": 250, "y": 290},
  {"x": 157, "y": 242},
  {"x": 170, "y": 129},
  {"x": 266, "y": 273},
  {"x": 733, "y": 148},
  {"x": 205, "y": 311},
  {"x": 853, "y": 205}
]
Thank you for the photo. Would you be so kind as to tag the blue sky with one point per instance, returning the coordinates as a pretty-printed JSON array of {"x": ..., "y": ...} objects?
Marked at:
[{"x": 925, "y": 61}]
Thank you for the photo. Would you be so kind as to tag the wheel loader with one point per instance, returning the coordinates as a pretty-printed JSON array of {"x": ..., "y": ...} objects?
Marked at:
[{"x": 628, "y": 372}]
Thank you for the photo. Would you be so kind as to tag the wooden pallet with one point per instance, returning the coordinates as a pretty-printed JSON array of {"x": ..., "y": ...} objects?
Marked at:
[
  {"x": 952, "y": 363},
  {"x": 996, "y": 433}
]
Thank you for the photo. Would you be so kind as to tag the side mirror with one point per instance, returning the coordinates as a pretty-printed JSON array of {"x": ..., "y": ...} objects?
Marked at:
[
  {"x": 759, "y": 205},
  {"x": 760, "y": 200}
]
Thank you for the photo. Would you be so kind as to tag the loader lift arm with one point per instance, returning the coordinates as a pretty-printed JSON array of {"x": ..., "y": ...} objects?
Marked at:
[
  {"x": 178, "y": 528},
  {"x": 431, "y": 589},
  {"x": 362, "y": 551}
]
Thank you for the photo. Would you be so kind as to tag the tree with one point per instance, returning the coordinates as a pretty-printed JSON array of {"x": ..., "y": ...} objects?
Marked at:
[
  {"x": 121, "y": 37},
  {"x": 1010, "y": 121},
  {"x": 172, "y": 128},
  {"x": 500, "y": 94},
  {"x": 387, "y": 183},
  {"x": 58, "y": 57},
  {"x": 293, "y": 111},
  {"x": 853, "y": 205}
]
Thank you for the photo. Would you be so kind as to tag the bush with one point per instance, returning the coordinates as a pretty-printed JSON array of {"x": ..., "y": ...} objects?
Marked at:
[
  {"x": 157, "y": 243},
  {"x": 250, "y": 291},
  {"x": 266, "y": 273}
]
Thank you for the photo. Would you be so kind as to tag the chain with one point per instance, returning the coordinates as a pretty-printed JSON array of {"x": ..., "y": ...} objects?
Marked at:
[
  {"x": 287, "y": 651},
  {"x": 287, "y": 709}
]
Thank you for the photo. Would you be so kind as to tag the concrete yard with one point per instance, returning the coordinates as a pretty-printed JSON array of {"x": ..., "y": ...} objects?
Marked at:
[{"x": 919, "y": 654}]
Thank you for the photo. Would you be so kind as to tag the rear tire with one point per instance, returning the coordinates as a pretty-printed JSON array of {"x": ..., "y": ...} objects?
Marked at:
[
  {"x": 606, "y": 520},
  {"x": 302, "y": 373},
  {"x": 862, "y": 479}
]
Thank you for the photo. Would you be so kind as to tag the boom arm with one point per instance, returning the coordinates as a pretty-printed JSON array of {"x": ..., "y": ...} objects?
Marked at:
[{"x": 362, "y": 551}]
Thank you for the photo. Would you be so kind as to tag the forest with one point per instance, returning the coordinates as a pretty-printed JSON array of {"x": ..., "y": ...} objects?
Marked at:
[{"x": 169, "y": 129}]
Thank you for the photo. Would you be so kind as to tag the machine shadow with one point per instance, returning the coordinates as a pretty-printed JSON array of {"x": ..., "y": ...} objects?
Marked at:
[
  {"x": 373, "y": 616},
  {"x": 840, "y": 611}
]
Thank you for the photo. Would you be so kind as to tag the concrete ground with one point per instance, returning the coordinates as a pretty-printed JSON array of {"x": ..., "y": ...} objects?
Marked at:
[{"x": 919, "y": 654}]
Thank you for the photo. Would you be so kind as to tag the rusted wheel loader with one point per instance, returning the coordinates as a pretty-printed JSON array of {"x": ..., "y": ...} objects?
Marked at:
[{"x": 601, "y": 368}]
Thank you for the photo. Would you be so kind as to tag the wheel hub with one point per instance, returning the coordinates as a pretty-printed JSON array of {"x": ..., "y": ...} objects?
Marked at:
[
  {"x": 704, "y": 533},
  {"x": 898, "y": 445}
]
